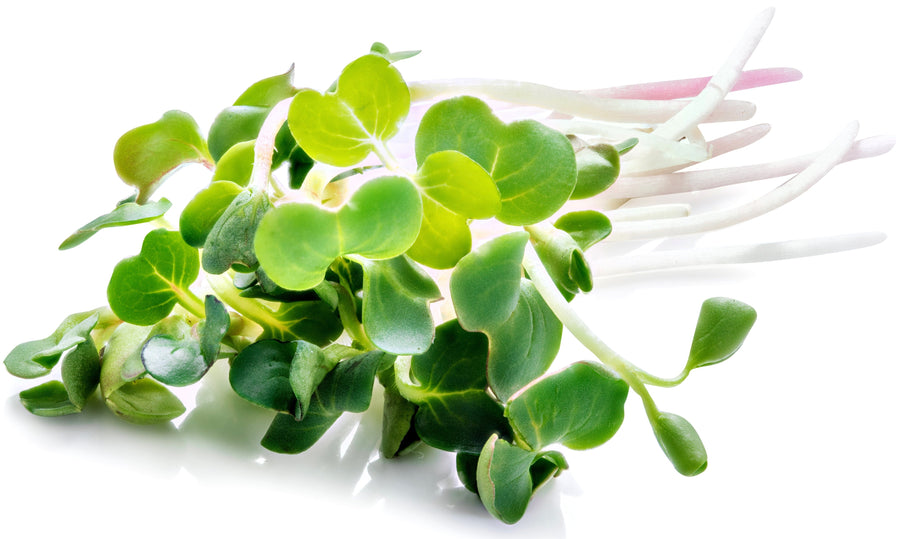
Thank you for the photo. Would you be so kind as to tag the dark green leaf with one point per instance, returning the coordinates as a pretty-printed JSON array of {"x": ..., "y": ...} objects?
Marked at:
[
  {"x": 722, "y": 326},
  {"x": 230, "y": 242},
  {"x": 81, "y": 372},
  {"x": 174, "y": 359},
  {"x": 467, "y": 470},
  {"x": 146, "y": 155},
  {"x": 36, "y": 358},
  {"x": 128, "y": 213},
  {"x": 397, "y": 432},
  {"x": 508, "y": 475},
  {"x": 287, "y": 435},
  {"x": 312, "y": 321},
  {"x": 213, "y": 328},
  {"x": 581, "y": 407},
  {"x": 49, "y": 399},
  {"x": 586, "y": 227},
  {"x": 485, "y": 283},
  {"x": 524, "y": 346},
  {"x": 143, "y": 289},
  {"x": 395, "y": 310},
  {"x": 532, "y": 165},
  {"x": 681, "y": 443},
  {"x": 455, "y": 412},
  {"x": 145, "y": 402},
  {"x": 261, "y": 375}
]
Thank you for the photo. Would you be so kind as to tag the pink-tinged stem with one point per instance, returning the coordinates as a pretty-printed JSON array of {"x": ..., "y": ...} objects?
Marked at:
[{"x": 683, "y": 88}]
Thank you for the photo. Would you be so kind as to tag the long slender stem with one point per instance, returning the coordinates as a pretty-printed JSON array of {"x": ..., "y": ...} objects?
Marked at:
[
  {"x": 831, "y": 156},
  {"x": 265, "y": 144},
  {"x": 580, "y": 330}
]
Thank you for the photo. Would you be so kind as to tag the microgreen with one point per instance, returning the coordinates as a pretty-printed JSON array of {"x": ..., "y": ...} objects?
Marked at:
[{"x": 447, "y": 274}]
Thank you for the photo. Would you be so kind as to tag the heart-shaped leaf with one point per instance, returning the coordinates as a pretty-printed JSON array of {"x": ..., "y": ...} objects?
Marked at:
[
  {"x": 395, "y": 308},
  {"x": 581, "y": 407},
  {"x": 454, "y": 189},
  {"x": 523, "y": 347},
  {"x": 455, "y": 412},
  {"x": 33, "y": 359},
  {"x": 366, "y": 109},
  {"x": 296, "y": 243},
  {"x": 143, "y": 289},
  {"x": 532, "y": 165},
  {"x": 229, "y": 243},
  {"x": 485, "y": 283},
  {"x": 586, "y": 227},
  {"x": 126, "y": 213},
  {"x": 507, "y": 477},
  {"x": 145, "y": 156},
  {"x": 722, "y": 326},
  {"x": 204, "y": 210}
]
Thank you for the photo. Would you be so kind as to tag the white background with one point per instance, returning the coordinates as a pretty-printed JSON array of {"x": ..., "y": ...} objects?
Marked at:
[{"x": 800, "y": 426}]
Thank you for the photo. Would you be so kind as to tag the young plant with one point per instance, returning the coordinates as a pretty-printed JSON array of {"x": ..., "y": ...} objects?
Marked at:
[{"x": 321, "y": 257}]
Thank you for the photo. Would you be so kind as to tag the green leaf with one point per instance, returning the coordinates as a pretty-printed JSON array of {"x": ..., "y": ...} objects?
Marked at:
[
  {"x": 681, "y": 443},
  {"x": 586, "y": 227},
  {"x": 598, "y": 168},
  {"x": 454, "y": 189},
  {"x": 397, "y": 432},
  {"x": 234, "y": 125},
  {"x": 33, "y": 359},
  {"x": 145, "y": 156},
  {"x": 269, "y": 91},
  {"x": 346, "y": 388},
  {"x": 296, "y": 243},
  {"x": 484, "y": 285},
  {"x": 122, "y": 357},
  {"x": 260, "y": 374},
  {"x": 382, "y": 50},
  {"x": 230, "y": 242},
  {"x": 308, "y": 368},
  {"x": 145, "y": 402},
  {"x": 455, "y": 412},
  {"x": 81, "y": 372},
  {"x": 366, "y": 108},
  {"x": 204, "y": 210},
  {"x": 395, "y": 308},
  {"x": 523, "y": 347},
  {"x": 532, "y": 165},
  {"x": 313, "y": 321},
  {"x": 581, "y": 407},
  {"x": 143, "y": 289},
  {"x": 49, "y": 399},
  {"x": 127, "y": 213},
  {"x": 722, "y": 326},
  {"x": 507, "y": 477},
  {"x": 213, "y": 328},
  {"x": 174, "y": 361},
  {"x": 236, "y": 164},
  {"x": 563, "y": 258}
]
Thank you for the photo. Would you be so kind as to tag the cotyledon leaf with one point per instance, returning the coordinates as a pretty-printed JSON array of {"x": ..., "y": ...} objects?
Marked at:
[
  {"x": 581, "y": 407},
  {"x": 203, "y": 211},
  {"x": 532, "y": 165},
  {"x": 229, "y": 243},
  {"x": 33, "y": 359},
  {"x": 342, "y": 127},
  {"x": 144, "y": 289},
  {"x": 296, "y": 243},
  {"x": 126, "y": 213}
]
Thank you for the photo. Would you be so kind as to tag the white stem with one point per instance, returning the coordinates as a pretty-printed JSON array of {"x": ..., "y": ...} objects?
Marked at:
[
  {"x": 572, "y": 102},
  {"x": 720, "y": 84},
  {"x": 791, "y": 189},
  {"x": 613, "y": 133},
  {"x": 737, "y": 254},
  {"x": 265, "y": 144},
  {"x": 659, "y": 211},
  {"x": 683, "y": 182}
]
